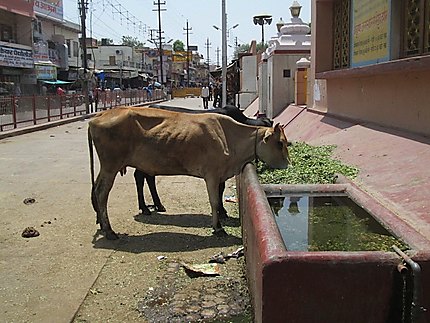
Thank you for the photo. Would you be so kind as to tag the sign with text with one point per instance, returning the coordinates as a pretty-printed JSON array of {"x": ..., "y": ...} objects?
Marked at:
[
  {"x": 49, "y": 8},
  {"x": 46, "y": 72},
  {"x": 180, "y": 56},
  {"x": 16, "y": 57},
  {"x": 370, "y": 32}
]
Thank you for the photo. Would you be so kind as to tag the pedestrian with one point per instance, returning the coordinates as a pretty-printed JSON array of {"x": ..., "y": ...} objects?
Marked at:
[
  {"x": 210, "y": 91},
  {"x": 17, "y": 90},
  {"x": 44, "y": 90},
  {"x": 205, "y": 96},
  {"x": 97, "y": 91},
  {"x": 217, "y": 95},
  {"x": 60, "y": 91}
]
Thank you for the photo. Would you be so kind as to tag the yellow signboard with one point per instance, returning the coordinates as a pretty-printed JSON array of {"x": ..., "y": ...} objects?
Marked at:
[
  {"x": 180, "y": 56},
  {"x": 370, "y": 32}
]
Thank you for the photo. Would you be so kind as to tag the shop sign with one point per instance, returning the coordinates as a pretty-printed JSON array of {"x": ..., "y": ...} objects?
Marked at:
[
  {"x": 16, "y": 57},
  {"x": 41, "y": 51},
  {"x": 46, "y": 72},
  {"x": 180, "y": 56},
  {"x": 370, "y": 32},
  {"x": 49, "y": 8}
]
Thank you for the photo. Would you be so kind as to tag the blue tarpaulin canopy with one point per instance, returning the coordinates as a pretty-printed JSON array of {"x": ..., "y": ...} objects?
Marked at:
[{"x": 57, "y": 82}]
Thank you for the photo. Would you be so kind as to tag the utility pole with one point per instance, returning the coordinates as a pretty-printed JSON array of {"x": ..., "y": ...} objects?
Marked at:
[
  {"x": 83, "y": 7},
  {"x": 208, "y": 44},
  {"x": 188, "y": 53},
  {"x": 224, "y": 54},
  {"x": 159, "y": 3},
  {"x": 217, "y": 56}
]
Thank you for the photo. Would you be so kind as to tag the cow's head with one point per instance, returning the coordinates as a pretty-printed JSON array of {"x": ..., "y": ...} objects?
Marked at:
[{"x": 273, "y": 148}]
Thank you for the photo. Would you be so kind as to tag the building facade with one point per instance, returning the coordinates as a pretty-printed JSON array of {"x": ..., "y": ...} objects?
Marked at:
[
  {"x": 371, "y": 61},
  {"x": 279, "y": 64},
  {"x": 36, "y": 45}
]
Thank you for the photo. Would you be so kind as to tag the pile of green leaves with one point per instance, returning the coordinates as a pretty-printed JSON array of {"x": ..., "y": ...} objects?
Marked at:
[{"x": 309, "y": 165}]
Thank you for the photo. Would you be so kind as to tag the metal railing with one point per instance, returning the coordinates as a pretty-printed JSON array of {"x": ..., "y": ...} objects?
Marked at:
[{"x": 23, "y": 111}]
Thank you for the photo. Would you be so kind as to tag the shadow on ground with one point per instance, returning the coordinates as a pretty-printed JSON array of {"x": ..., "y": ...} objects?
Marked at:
[
  {"x": 164, "y": 242},
  {"x": 183, "y": 220}
]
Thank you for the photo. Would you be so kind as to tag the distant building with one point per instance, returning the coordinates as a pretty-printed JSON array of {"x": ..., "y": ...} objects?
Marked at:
[
  {"x": 36, "y": 43},
  {"x": 278, "y": 66}
]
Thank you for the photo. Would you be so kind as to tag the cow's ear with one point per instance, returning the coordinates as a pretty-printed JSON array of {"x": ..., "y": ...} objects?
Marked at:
[
  {"x": 277, "y": 128},
  {"x": 267, "y": 134}
]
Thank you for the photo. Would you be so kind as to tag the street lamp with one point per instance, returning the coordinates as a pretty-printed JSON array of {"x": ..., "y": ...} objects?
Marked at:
[
  {"x": 295, "y": 9},
  {"x": 262, "y": 20},
  {"x": 228, "y": 30}
]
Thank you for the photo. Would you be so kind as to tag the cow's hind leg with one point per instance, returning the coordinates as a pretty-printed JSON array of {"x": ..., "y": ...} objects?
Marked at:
[
  {"x": 139, "y": 178},
  {"x": 101, "y": 191},
  {"x": 153, "y": 189},
  {"x": 213, "y": 192},
  {"x": 222, "y": 212}
]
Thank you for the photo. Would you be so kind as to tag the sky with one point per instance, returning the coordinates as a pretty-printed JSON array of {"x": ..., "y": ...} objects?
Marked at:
[{"x": 116, "y": 18}]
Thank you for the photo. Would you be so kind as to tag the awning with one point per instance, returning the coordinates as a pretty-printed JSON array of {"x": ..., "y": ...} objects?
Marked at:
[{"x": 57, "y": 82}]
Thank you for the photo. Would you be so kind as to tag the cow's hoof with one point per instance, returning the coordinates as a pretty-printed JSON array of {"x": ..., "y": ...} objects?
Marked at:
[
  {"x": 146, "y": 211},
  {"x": 220, "y": 232},
  {"x": 160, "y": 208},
  {"x": 110, "y": 235}
]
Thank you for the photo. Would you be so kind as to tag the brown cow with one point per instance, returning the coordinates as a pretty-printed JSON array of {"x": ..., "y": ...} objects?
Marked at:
[{"x": 159, "y": 142}]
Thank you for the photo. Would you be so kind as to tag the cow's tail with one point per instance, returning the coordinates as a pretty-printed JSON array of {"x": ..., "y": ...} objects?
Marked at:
[{"x": 90, "y": 147}]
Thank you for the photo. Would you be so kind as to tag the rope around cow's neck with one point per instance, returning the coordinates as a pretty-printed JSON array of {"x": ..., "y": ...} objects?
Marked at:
[{"x": 255, "y": 146}]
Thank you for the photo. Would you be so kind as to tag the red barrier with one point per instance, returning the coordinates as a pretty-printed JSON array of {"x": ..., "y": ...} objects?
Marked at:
[{"x": 24, "y": 111}]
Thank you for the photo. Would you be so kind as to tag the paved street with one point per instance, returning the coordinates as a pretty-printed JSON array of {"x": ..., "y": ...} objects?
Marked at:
[{"x": 45, "y": 279}]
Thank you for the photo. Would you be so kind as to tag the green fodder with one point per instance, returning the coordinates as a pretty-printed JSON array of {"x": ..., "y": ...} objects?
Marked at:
[{"x": 310, "y": 165}]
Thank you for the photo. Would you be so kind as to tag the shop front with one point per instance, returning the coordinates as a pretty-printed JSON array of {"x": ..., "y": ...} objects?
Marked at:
[{"x": 16, "y": 63}]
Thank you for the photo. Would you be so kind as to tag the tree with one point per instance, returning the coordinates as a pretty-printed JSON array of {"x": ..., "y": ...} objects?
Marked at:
[
  {"x": 241, "y": 49},
  {"x": 245, "y": 48},
  {"x": 178, "y": 46},
  {"x": 132, "y": 42},
  {"x": 105, "y": 41}
]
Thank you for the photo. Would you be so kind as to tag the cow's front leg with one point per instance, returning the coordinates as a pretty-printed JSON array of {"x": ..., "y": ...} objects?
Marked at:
[
  {"x": 153, "y": 189},
  {"x": 222, "y": 212},
  {"x": 139, "y": 178},
  {"x": 213, "y": 193},
  {"x": 101, "y": 190}
]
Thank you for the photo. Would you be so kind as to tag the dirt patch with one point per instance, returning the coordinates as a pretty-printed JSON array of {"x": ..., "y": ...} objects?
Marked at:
[{"x": 143, "y": 280}]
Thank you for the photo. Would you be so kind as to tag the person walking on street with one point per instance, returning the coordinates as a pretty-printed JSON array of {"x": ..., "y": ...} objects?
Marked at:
[
  {"x": 205, "y": 96},
  {"x": 97, "y": 91},
  {"x": 217, "y": 95},
  {"x": 211, "y": 89},
  {"x": 60, "y": 91}
]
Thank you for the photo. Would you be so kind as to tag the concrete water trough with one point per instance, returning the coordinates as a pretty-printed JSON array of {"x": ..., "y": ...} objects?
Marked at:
[{"x": 296, "y": 284}]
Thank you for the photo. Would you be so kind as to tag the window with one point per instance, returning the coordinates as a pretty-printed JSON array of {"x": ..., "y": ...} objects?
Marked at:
[
  {"x": 341, "y": 55},
  {"x": 416, "y": 32},
  {"x": 112, "y": 60},
  {"x": 69, "y": 49},
  {"x": 287, "y": 73},
  {"x": 6, "y": 33},
  {"x": 75, "y": 49}
]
